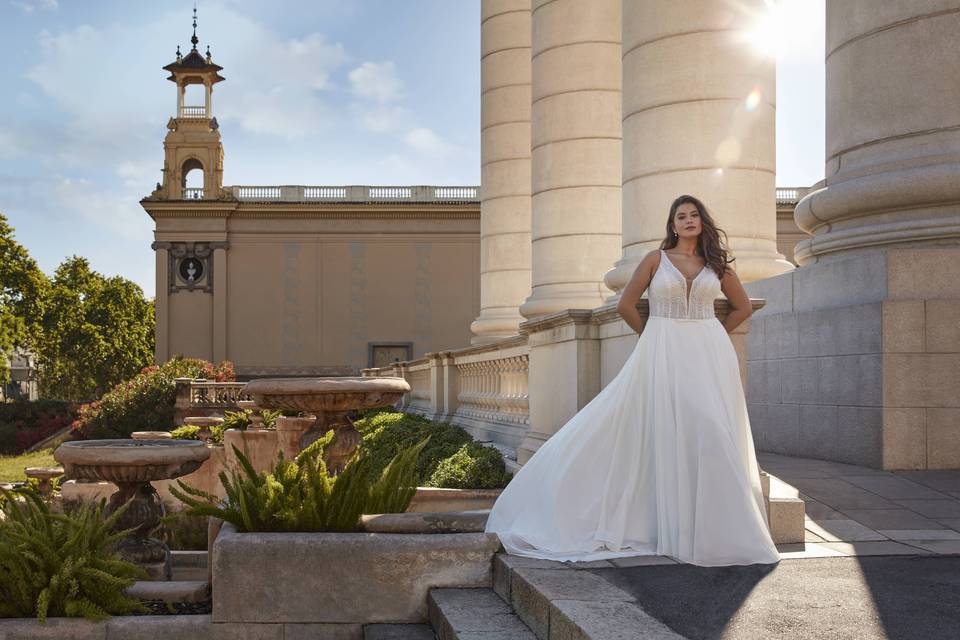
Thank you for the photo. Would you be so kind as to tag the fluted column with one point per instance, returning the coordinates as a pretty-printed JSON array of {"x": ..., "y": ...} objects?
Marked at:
[
  {"x": 699, "y": 110},
  {"x": 505, "y": 167},
  {"x": 893, "y": 130},
  {"x": 576, "y": 152}
]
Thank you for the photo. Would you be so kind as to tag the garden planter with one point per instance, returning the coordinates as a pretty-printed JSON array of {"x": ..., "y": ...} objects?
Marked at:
[
  {"x": 206, "y": 478},
  {"x": 341, "y": 578},
  {"x": 289, "y": 432},
  {"x": 259, "y": 446}
]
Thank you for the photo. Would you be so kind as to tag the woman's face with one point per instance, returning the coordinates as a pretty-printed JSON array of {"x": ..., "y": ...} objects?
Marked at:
[{"x": 686, "y": 221}]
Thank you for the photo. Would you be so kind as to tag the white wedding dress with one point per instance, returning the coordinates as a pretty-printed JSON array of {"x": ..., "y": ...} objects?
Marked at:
[{"x": 661, "y": 461}]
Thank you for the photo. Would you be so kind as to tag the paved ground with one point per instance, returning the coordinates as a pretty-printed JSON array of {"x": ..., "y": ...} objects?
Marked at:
[
  {"x": 895, "y": 597},
  {"x": 853, "y": 510},
  {"x": 881, "y": 560}
]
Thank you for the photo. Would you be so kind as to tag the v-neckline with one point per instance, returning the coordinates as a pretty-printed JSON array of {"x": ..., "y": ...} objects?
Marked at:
[{"x": 689, "y": 289}]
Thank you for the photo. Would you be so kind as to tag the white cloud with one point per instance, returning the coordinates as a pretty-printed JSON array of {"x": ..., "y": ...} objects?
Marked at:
[
  {"x": 380, "y": 118},
  {"x": 376, "y": 81},
  {"x": 119, "y": 211},
  {"x": 427, "y": 142},
  {"x": 28, "y": 7}
]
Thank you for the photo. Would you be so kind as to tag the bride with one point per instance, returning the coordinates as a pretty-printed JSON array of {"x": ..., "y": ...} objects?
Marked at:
[{"x": 662, "y": 460}]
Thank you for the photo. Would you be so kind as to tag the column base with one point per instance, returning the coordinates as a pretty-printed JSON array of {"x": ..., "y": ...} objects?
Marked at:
[{"x": 857, "y": 360}]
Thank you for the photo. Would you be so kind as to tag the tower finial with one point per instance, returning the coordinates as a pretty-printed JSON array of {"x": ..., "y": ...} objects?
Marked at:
[{"x": 194, "y": 39}]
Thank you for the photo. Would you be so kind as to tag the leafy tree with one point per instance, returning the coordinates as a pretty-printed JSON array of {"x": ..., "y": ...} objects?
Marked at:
[
  {"x": 95, "y": 332},
  {"x": 23, "y": 288}
]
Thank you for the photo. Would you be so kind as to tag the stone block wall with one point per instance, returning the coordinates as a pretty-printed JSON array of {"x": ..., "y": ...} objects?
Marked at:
[{"x": 858, "y": 361}]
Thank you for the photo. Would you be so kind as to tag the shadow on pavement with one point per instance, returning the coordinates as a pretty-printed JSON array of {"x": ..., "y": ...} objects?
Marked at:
[{"x": 896, "y": 597}]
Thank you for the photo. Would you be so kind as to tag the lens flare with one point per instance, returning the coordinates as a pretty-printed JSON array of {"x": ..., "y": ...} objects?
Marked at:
[{"x": 753, "y": 99}]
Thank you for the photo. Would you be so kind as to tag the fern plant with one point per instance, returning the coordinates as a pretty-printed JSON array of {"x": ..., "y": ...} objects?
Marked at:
[
  {"x": 299, "y": 495},
  {"x": 62, "y": 565}
]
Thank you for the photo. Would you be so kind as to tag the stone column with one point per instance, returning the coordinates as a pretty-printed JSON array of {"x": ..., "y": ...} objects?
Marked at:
[
  {"x": 893, "y": 130},
  {"x": 858, "y": 357},
  {"x": 576, "y": 149},
  {"x": 699, "y": 106},
  {"x": 505, "y": 168}
]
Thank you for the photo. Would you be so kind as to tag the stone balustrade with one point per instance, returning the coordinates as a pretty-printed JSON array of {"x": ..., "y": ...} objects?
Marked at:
[
  {"x": 355, "y": 193},
  {"x": 206, "y": 398}
]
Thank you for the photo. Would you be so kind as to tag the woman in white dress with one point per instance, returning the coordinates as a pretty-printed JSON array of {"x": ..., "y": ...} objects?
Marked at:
[{"x": 661, "y": 461}]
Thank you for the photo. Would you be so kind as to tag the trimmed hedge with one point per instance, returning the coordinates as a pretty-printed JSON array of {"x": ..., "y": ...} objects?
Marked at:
[
  {"x": 24, "y": 423},
  {"x": 450, "y": 460}
]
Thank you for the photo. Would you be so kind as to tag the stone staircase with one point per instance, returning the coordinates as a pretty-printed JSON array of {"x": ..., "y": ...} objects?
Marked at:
[{"x": 539, "y": 600}]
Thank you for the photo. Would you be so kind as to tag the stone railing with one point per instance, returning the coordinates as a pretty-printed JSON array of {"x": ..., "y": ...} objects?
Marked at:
[
  {"x": 206, "y": 398},
  {"x": 356, "y": 193},
  {"x": 193, "y": 193},
  {"x": 791, "y": 195},
  {"x": 482, "y": 389},
  {"x": 193, "y": 112}
]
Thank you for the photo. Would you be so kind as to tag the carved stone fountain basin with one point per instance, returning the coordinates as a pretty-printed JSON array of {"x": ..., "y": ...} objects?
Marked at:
[
  {"x": 330, "y": 399},
  {"x": 132, "y": 465},
  {"x": 130, "y": 460},
  {"x": 314, "y": 395}
]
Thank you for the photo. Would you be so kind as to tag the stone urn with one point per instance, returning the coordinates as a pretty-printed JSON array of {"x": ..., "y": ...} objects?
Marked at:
[
  {"x": 44, "y": 477},
  {"x": 330, "y": 400},
  {"x": 256, "y": 418},
  {"x": 132, "y": 465},
  {"x": 206, "y": 424}
]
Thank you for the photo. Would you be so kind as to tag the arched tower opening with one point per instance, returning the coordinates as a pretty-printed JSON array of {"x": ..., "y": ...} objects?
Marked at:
[{"x": 191, "y": 180}]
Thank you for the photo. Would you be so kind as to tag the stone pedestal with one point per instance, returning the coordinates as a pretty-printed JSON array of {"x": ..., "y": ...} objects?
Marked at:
[
  {"x": 505, "y": 167},
  {"x": 576, "y": 149}
]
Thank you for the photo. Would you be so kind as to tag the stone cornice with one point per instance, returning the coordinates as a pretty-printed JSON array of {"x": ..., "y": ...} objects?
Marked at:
[{"x": 166, "y": 209}]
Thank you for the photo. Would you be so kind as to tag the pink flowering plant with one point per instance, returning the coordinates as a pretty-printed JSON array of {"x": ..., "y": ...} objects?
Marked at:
[{"x": 146, "y": 401}]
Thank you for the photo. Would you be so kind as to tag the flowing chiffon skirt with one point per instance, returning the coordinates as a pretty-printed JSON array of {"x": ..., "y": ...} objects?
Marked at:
[{"x": 661, "y": 462}]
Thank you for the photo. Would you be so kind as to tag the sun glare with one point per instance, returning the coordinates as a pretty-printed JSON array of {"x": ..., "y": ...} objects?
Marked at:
[{"x": 767, "y": 32}]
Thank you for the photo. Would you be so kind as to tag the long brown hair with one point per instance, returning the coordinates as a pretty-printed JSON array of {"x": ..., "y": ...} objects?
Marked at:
[{"x": 710, "y": 246}]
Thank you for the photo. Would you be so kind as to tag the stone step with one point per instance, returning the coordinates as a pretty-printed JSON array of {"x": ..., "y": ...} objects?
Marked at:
[
  {"x": 474, "y": 614},
  {"x": 398, "y": 632},
  {"x": 785, "y": 512},
  {"x": 558, "y": 600}
]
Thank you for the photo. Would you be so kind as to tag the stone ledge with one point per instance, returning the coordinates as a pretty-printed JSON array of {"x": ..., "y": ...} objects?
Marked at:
[{"x": 118, "y": 628}]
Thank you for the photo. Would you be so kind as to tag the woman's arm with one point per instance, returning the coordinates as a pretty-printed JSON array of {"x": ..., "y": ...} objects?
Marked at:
[
  {"x": 639, "y": 281},
  {"x": 738, "y": 299}
]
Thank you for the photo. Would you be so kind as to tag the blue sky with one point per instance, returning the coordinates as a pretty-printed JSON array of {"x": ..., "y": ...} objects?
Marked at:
[{"x": 317, "y": 92}]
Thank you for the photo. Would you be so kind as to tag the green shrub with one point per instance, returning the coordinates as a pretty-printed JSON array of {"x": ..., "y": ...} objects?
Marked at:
[
  {"x": 144, "y": 403},
  {"x": 61, "y": 565},
  {"x": 186, "y": 432},
  {"x": 386, "y": 432},
  {"x": 300, "y": 495},
  {"x": 473, "y": 466}
]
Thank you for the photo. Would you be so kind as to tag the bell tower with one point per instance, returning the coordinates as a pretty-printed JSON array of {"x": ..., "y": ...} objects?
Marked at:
[{"x": 193, "y": 140}]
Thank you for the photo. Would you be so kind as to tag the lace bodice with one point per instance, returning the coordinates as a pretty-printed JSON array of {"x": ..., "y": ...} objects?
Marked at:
[{"x": 667, "y": 292}]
